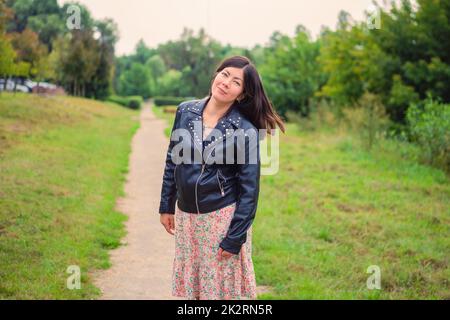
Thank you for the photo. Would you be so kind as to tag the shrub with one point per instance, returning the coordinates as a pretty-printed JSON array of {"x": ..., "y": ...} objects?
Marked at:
[
  {"x": 170, "y": 109},
  {"x": 368, "y": 119},
  {"x": 429, "y": 127},
  {"x": 321, "y": 116},
  {"x": 132, "y": 102},
  {"x": 164, "y": 101},
  {"x": 135, "y": 102}
]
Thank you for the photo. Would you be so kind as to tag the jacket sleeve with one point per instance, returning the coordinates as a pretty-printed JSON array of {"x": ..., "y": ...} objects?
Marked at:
[
  {"x": 244, "y": 214},
  {"x": 169, "y": 188}
]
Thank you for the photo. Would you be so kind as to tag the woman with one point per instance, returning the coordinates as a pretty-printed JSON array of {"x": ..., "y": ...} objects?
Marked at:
[{"x": 216, "y": 194}]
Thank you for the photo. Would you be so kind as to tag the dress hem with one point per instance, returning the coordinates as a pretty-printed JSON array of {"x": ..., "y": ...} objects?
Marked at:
[{"x": 234, "y": 298}]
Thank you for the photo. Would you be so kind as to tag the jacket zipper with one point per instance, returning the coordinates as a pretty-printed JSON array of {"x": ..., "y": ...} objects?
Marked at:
[
  {"x": 220, "y": 172},
  {"x": 220, "y": 184},
  {"x": 203, "y": 169},
  {"x": 196, "y": 197}
]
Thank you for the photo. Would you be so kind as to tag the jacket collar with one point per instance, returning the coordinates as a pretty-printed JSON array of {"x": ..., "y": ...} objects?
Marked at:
[
  {"x": 233, "y": 116},
  {"x": 230, "y": 122}
]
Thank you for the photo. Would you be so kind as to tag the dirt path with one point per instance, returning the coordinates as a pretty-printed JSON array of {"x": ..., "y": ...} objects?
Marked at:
[{"x": 142, "y": 267}]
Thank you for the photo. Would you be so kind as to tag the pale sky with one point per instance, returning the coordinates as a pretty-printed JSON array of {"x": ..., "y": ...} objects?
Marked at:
[{"x": 237, "y": 22}]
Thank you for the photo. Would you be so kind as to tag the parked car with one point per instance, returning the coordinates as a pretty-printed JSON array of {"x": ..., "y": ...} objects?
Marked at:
[
  {"x": 10, "y": 85},
  {"x": 28, "y": 86}
]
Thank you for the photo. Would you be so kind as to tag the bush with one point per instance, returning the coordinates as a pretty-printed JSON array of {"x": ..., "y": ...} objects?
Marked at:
[
  {"x": 322, "y": 116},
  {"x": 429, "y": 127},
  {"x": 170, "y": 109},
  {"x": 135, "y": 102},
  {"x": 164, "y": 101},
  {"x": 132, "y": 102},
  {"x": 367, "y": 119}
]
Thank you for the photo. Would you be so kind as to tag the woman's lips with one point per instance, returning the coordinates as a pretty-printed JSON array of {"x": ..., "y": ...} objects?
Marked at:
[{"x": 223, "y": 92}]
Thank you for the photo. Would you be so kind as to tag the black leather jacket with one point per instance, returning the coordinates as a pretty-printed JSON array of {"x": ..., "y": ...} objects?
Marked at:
[{"x": 209, "y": 184}]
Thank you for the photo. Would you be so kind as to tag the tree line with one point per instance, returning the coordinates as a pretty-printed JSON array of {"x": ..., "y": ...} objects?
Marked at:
[
  {"x": 403, "y": 61},
  {"x": 400, "y": 64},
  {"x": 36, "y": 41}
]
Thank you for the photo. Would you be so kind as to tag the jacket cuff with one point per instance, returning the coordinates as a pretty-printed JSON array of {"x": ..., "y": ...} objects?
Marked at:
[
  {"x": 230, "y": 246},
  {"x": 167, "y": 208}
]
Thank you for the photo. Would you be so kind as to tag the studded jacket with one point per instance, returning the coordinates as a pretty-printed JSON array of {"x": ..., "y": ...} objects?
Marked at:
[{"x": 212, "y": 181}]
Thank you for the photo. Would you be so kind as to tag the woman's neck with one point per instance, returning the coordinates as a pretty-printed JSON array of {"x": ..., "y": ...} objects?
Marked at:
[{"x": 216, "y": 109}]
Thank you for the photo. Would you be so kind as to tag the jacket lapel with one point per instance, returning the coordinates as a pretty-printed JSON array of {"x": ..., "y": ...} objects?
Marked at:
[{"x": 226, "y": 125}]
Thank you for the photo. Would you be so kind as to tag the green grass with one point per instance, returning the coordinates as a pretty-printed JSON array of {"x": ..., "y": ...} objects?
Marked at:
[
  {"x": 63, "y": 164},
  {"x": 334, "y": 209},
  {"x": 168, "y": 116}
]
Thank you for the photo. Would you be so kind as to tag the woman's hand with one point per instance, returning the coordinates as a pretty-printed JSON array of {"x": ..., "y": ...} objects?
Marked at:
[
  {"x": 224, "y": 254},
  {"x": 168, "y": 221}
]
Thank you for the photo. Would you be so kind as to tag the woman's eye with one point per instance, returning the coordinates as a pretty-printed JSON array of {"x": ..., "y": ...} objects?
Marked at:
[
  {"x": 223, "y": 73},
  {"x": 237, "y": 83}
]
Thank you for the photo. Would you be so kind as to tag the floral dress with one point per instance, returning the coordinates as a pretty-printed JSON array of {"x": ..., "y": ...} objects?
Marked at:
[{"x": 197, "y": 271}]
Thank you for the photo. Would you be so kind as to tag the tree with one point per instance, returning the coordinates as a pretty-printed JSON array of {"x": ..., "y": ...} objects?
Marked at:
[
  {"x": 170, "y": 84},
  {"x": 107, "y": 35},
  {"x": 291, "y": 72},
  {"x": 120, "y": 65},
  {"x": 78, "y": 59},
  {"x": 416, "y": 40},
  {"x": 47, "y": 26},
  {"x": 43, "y": 70},
  {"x": 7, "y": 56},
  {"x": 196, "y": 57},
  {"x": 44, "y": 17},
  {"x": 20, "y": 69},
  {"x": 28, "y": 47},
  {"x": 143, "y": 53},
  {"x": 135, "y": 81},
  {"x": 157, "y": 69},
  {"x": 5, "y": 15},
  {"x": 338, "y": 60}
]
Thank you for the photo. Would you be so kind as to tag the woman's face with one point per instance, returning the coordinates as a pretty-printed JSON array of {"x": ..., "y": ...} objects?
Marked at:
[{"x": 228, "y": 85}]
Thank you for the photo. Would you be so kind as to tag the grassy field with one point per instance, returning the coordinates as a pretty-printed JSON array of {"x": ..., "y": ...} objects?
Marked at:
[
  {"x": 63, "y": 162},
  {"x": 333, "y": 210}
]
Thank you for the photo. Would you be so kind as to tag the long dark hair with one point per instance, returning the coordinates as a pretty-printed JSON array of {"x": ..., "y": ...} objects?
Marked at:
[{"x": 255, "y": 105}]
